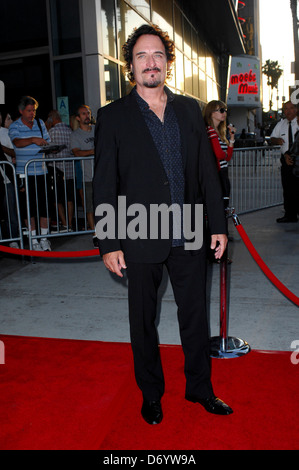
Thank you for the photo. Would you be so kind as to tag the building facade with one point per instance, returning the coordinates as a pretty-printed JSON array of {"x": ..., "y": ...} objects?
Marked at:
[
  {"x": 245, "y": 93},
  {"x": 69, "y": 52}
]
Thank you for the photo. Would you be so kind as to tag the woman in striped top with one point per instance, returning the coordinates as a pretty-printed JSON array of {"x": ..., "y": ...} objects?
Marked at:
[{"x": 215, "y": 118}]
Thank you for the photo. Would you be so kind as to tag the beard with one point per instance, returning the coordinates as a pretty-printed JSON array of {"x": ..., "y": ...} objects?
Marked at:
[
  {"x": 152, "y": 84},
  {"x": 153, "y": 81}
]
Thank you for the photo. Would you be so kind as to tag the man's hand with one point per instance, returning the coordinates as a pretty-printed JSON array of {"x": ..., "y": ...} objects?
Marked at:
[
  {"x": 115, "y": 261},
  {"x": 39, "y": 141},
  {"x": 222, "y": 243},
  {"x": 288, "y": 159},
  {"x": 277, "y": 141},
  {"x": 21, "y": 143}
]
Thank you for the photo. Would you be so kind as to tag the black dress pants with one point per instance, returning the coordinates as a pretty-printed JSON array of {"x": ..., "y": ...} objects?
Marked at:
[
  {"x": 187, "y": 273},
  {"x": 290, "y": 185}
]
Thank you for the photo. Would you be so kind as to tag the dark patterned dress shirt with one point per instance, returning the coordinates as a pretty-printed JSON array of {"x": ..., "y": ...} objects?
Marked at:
[{"x": 167, "y": 138}]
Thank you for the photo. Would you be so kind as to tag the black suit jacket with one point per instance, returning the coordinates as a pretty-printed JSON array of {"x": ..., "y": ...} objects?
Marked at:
[{"x": 128, "y": 164}]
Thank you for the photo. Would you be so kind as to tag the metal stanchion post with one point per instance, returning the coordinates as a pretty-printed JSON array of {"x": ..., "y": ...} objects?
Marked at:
[{"x": 224, "y": 346}]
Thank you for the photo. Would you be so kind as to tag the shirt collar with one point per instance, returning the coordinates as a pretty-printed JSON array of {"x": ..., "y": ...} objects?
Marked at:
[{"x": 144, "y": 105}]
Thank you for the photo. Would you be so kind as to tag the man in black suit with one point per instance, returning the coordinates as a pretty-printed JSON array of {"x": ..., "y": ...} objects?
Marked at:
[{"x": 151, "y": 150}]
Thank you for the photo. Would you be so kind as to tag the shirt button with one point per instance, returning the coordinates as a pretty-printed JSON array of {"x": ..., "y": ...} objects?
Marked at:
[{"x": 166, "y": 183}]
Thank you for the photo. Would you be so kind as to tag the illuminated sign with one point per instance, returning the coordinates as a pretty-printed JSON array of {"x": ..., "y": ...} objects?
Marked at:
[{"x": 244, "y": 82}]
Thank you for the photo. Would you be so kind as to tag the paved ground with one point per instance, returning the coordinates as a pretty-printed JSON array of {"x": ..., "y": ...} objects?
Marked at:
[{"x": 80, "y": 299}]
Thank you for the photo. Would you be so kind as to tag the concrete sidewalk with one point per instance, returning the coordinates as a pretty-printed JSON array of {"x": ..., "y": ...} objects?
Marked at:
[{"x": 80, "y": 299}]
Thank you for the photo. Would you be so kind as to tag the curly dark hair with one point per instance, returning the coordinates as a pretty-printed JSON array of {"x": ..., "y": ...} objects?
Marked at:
[{"x": 132, "y": 39}]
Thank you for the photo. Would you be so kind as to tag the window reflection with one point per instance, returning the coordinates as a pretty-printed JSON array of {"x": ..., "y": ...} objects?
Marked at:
[
  {"x": 143, "y": 6},
  {"x": 20, "y": 30},
  {"x": 111, "y": 81},
  {"x": 210, "y": 67},
  {"x": 69, "y": 81},
  {"x": 178, "y": 38},
  {"x": 179, "y": 69},
  {"x": 127, "y": 20},
  {"x": 195, "y": 79},
  {"x": 125, "y": 85},
  {"x": 162, "y": 16},
  {"x": 201, "y": 56},
  {"x": 65, "y": 22},
  {"x": 194, "y": 47},
  {"x": 108, "y": 28},
  {"x": 202, "y": 86},
  {"x": 188, "y": 76},
  {"x": 187, "y": 38},
  {"x": 171, "y": 80},
  {"x": 212, "y": 90}
]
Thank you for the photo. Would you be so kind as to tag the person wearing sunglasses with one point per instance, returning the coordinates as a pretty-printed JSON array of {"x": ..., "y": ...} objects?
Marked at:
[{"x": 215, "y": 114}]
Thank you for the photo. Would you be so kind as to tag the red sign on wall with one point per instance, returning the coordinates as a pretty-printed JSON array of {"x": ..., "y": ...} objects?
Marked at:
[{"x": 246, "y": 81}]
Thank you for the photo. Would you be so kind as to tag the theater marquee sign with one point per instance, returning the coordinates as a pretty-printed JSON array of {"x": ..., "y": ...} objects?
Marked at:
[{"x": 244, "y": 82}]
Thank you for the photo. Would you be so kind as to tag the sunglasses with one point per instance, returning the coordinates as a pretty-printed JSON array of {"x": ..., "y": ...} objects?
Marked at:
[{"x": 221, "y": 110}]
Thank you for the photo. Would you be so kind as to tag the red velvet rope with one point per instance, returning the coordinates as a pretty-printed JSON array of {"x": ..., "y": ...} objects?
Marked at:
[
  {"x": 285, "y": 291},
  {"x": 50, "y": 254},
  {"x": 86, "y": 253}
]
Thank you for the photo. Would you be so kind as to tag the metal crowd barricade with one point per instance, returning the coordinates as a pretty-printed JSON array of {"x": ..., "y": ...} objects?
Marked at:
[
  {"x": 254, "y": 173},
  {"x": 255, "y": 178},
  {"x": 11, "y": 224},
  {"x": 80, "y": 223}
]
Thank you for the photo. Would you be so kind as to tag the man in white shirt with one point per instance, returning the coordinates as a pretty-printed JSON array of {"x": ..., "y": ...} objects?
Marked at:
[{"x": 284, "y": 135}]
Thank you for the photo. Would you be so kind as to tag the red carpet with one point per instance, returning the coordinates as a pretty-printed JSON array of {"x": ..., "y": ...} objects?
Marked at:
[{"x": 72, "y": 395}]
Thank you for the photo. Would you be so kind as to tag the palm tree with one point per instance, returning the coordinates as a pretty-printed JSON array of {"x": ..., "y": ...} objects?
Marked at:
[{"x": 273, "y": 71}]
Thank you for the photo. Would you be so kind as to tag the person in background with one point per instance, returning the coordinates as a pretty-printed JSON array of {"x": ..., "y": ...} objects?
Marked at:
[
  {"x": 215, "y": 114},
  {"x": 82, "y": 145},
  {"x": 60, "y": 134},
  {"x": 283, "y": 134},
  {"x": 74, "y": 125},
  {"x": 259, "y": 134},
  {"x": 28, "y": 134}
]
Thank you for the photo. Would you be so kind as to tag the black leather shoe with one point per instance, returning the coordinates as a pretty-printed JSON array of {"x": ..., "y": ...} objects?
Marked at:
[
  {"x": 212, "y": 405},
  {"x": 285, "y": 220},
  {"x": 152, "y": 412}
]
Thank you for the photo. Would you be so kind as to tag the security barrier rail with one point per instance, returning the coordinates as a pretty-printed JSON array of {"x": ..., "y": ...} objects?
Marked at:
[
  {"x": 57, "y": 194},
  {"x": 254, "y": 174},
  {"x": 255, "y": 178}
]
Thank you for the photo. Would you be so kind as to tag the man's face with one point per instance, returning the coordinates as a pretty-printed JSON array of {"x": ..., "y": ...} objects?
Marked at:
[
  {"x": 28, "y": 114},
  {"x": 149, "y": 63},
  {"x": 290, "y": 111},
  {"x": 84, "y": 117}
]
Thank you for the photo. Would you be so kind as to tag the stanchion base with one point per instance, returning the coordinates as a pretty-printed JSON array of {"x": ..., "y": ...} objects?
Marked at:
[{"x": 228, "y": 348}]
